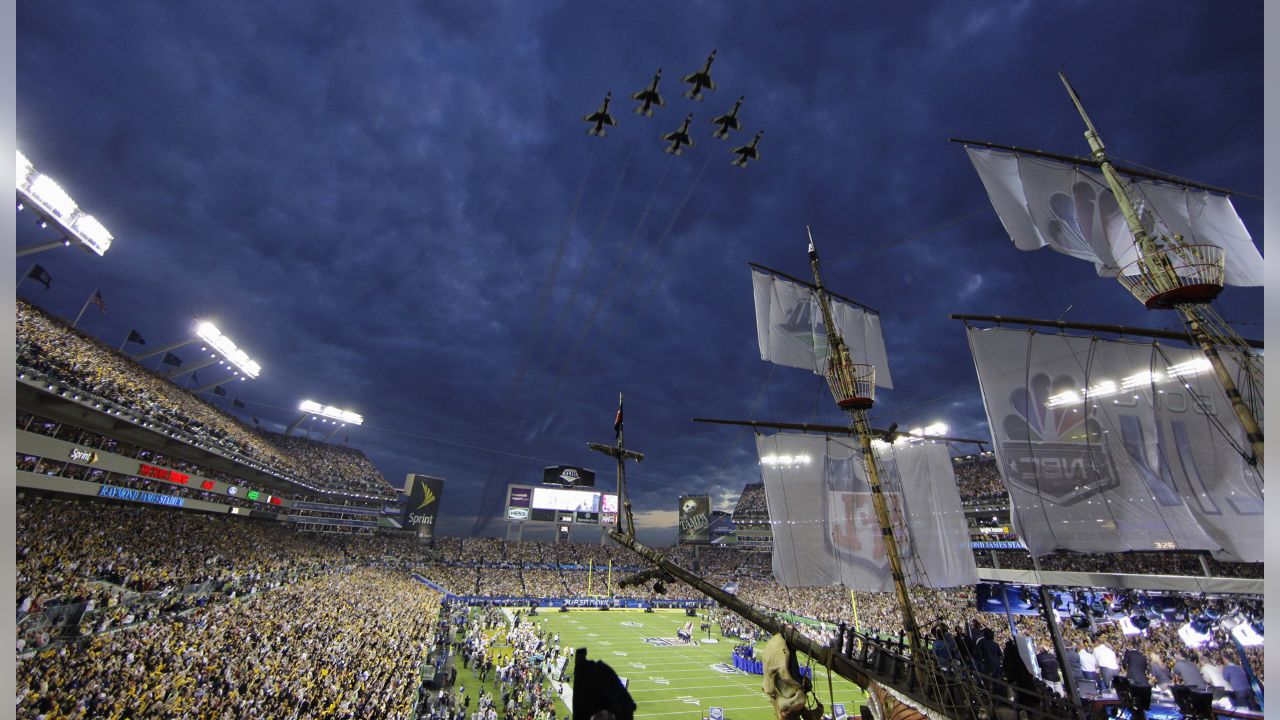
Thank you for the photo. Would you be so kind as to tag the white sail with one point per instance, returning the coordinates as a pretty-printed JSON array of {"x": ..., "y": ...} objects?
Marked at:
[
  {"x": 790, "y": 329},
  {"x": 1044, "y": 202},
  {"x": 1108, "y": 445},
  {"x": 825, "y": 530}
]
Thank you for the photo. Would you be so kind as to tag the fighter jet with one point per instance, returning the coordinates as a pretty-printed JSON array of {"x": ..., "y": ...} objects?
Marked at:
[
  {"x": 649, "y": 97},
  {"x": 679, "y": 137},
  {"x": 728, "y": 122},
  {"x": 747, "y": 152},
  {"x": 600, "y": 118},
  {"x": 701, "y": 79}
]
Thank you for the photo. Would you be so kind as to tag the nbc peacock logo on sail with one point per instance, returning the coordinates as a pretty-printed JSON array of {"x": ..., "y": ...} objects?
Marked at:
[{"x": 1053, "y": 447}]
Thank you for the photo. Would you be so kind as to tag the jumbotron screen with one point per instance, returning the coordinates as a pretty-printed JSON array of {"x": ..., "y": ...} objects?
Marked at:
[{"x": 530, "y": 503}]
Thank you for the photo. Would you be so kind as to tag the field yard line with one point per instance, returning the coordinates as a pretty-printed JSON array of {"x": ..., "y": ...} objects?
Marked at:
[
  {"x": 687, "y": 711},
  {"x": 671, "y": 688}
]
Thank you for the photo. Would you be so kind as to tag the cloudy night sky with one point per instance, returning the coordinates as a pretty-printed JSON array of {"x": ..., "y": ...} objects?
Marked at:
[{"x": 395, "y": 208}]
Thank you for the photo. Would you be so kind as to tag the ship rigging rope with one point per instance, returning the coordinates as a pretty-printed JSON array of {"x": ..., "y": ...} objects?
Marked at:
[{"x": 1139, "y": 166}]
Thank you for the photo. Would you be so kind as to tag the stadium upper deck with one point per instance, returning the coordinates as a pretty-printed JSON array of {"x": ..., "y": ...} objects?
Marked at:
[{"x": 70, "y": 363}]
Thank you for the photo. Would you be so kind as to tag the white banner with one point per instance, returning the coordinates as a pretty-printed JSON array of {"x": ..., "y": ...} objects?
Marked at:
[
  {"x": 1069, "y": 208},
  {"x": 1107, "y": 445},
  {"x": 791, "y": 331},
  {"x": 825, "y": 530}
]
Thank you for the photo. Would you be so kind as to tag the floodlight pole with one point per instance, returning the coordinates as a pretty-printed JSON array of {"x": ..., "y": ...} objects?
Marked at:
[
  {"x": 41, "y": 247},
  {"x": 294, "y": 425},
  {"x": 178, "y": 372},
  {"x": 165, "y": 349},
  {"x": 1155, "y": 264},
  {"x": 212, "y": 385}
]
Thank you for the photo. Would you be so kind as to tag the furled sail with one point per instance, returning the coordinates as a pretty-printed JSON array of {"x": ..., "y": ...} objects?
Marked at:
[
  {"x": 825, "y": 530},
  {"x": 1048, "y": 202},
  {"x": 1110, "y": 445},
  {"x": 790, "y": 329}
]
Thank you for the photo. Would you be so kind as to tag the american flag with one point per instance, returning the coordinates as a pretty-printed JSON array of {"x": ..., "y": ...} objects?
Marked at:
[{"x": 97, "y": 300}]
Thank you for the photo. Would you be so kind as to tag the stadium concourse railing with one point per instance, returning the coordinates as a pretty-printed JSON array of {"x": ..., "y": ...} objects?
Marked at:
[{"x": 41, "y": 380}]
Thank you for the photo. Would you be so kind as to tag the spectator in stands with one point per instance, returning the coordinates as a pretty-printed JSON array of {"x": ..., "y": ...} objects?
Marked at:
[
  {"x": 1160, "y": 671},
  {"x": 1049, "y": 672},
  {"x": 1241, "y": 691},
  {"x": 1135, "y": 666},
  {"x": 1211, "y": 671},
  {"x": 1073, "y": 667},
  {"x": 1186, "y": 672},
  {"x": 1108, "y": 665},
  {"x": 989, "y": 656},
  {"x": 1089, "y": 666}
]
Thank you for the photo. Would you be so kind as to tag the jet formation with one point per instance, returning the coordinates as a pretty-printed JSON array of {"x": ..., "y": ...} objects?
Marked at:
[
  {"x": 748, "y": 151},
  {"x": 600, "y": 118},
  {"x": 679, "y": 137},
  {"x": 650, "y": 99}
]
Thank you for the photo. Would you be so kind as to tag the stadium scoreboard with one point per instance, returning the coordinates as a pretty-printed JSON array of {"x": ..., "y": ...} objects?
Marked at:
[{"x": 563, "y": 506}]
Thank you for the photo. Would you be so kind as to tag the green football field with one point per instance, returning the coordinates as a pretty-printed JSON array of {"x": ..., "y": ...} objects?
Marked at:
[{"x": 679, "y": 681}]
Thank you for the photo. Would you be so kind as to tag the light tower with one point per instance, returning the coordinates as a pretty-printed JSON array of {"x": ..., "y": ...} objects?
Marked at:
[{"x": 40, "y": 194}]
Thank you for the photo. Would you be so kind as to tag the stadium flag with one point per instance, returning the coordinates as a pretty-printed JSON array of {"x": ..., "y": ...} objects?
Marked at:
[
  {"x": 255, "y": 421},
  {"x": 826, "y": 532},
  {"x": 1043, "y": 202},
  {"x": 237, "y": 402},
  {"x": 195, "y": 379},
  {"x": 1111, "y": 445},
  {"x": 791, "y": 331},
  {"x": 94, "y": 299},
  {"x": 39, "y": 274},
  {"x": 219, "y": 390},
  {"x": 134, "y": 337},
  {"x": 617, "y": 421},
  {"x": 171, "y": 359}
]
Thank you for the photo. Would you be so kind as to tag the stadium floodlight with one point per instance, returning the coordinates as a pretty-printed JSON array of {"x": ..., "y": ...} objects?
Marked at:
[
  {"x": 785, "y": 460},
  {"x": 51, "y": 202},
  {"x": 1143, "y": 379},
  {"x": 210, "y": 334},
  {"x": 1190, "y": 367},
  {"x": 331, "y": 412}
]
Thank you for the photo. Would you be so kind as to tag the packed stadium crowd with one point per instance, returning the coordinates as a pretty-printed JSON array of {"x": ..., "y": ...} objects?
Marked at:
[
  {"x": 1136, "y": 563},
  {"x": 174, "y": 581},
  {"x": 978, "y": 478},
  {"x": 63, "y": 356},
  {"x": 343, "y": 645},
  {"x": 131, "y": 563}
]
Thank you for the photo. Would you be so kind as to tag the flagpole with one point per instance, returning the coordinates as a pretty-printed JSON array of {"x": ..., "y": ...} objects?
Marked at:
[
  {"x": 25, "y": 275},
  {"x": 86, "y": 307}
]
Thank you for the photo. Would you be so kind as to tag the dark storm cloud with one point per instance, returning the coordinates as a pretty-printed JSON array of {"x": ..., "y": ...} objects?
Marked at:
[{"x": 372, "y": 198}]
